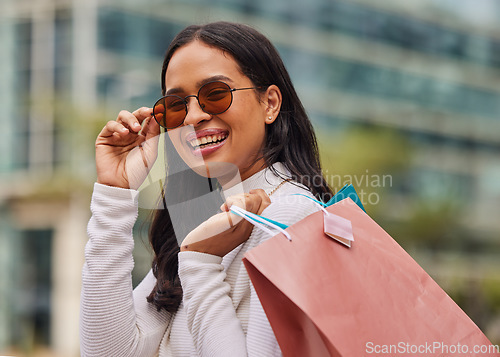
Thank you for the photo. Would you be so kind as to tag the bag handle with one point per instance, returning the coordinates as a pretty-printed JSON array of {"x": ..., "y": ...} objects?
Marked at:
[
  {"x": 331, "y": 221},
  {"x": 260, "y": 222},
  {"x": 265, "y": 223},
  {"x": 320, "y": 204}
]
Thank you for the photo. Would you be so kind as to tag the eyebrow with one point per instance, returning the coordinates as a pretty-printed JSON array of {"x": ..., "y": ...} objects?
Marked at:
[{"x": 218, "y": 77}]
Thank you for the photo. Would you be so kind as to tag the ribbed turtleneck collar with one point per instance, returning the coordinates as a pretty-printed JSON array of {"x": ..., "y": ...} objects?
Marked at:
[{"x": 265, "y": 179}]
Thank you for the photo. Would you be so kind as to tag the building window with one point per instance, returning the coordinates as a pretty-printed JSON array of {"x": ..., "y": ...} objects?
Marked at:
[{"x": 31, "y": 315}]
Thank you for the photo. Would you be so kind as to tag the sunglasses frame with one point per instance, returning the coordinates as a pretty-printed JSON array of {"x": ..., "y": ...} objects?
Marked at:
[{"x": 197, "y": 96}]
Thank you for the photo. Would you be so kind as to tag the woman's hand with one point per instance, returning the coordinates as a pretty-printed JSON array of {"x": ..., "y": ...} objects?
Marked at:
[
  {"x": 127, "y": 148},
  {"x": 224, "y": 231}
]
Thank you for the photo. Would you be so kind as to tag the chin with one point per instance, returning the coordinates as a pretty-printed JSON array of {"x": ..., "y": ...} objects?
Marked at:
[{"x": 217, "y": 169}]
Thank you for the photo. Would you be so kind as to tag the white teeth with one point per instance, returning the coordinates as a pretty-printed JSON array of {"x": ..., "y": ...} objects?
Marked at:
[{"x": 195, "y": 143}]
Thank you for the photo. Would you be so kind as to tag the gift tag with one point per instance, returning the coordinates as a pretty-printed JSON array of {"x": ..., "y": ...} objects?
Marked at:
[
  {"x": 338, "y": 228},
  {"x": 334, "y": 226}
]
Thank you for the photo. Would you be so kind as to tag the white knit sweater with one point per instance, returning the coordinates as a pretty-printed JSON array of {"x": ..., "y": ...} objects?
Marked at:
[{"x": 220, "y": 314}]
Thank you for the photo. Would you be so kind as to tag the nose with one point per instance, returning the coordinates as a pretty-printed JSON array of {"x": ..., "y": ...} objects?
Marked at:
[{"x": 195, "y": 115}]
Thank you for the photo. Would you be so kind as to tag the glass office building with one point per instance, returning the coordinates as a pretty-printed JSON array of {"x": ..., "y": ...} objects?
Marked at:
[{"x": 427, "y": 72}]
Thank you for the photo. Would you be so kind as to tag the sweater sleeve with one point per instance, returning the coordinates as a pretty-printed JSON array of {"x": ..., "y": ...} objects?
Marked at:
[
  {"x": 114, "y": 319},
  {"x": 211, "y": 315}
]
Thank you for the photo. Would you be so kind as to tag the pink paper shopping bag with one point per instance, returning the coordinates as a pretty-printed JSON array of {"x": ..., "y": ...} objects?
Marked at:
[{"x": 325, "y": 299}]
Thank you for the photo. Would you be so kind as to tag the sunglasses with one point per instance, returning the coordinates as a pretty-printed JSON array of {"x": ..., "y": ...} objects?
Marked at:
[{"x": 213, "y": 97}]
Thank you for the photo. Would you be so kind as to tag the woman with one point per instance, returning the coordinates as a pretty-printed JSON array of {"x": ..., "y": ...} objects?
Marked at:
[{"x": 197, "y": 301}]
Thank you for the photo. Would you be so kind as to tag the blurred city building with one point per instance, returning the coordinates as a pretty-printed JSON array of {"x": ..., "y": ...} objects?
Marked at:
[{"x": 428, "y": 71}]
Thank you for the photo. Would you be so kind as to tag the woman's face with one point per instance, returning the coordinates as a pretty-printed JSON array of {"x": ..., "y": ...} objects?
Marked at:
[{"x": 239, "y": 132}]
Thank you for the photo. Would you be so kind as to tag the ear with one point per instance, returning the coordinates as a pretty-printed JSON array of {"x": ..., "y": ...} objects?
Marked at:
[{"x": 272, "y": 102}]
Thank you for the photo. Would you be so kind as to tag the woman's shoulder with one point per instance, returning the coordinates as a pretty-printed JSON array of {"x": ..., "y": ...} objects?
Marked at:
[{"x": 288, "y": 204}]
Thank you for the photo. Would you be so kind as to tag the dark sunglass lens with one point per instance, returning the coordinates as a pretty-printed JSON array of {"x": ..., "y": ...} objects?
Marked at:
[
  {"x": 170, "y": 111},
  {"x": 215, "y": 97},
  {"x": 159, "y": 111}
]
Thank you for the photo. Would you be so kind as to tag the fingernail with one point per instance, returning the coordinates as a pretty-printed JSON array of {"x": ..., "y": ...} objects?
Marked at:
[
  {"x": 124, "y": 130},
  {"x": 137, "y": 125}
]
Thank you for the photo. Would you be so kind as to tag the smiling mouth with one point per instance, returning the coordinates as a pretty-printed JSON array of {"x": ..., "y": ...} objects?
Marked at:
[{"x": 207, "y": 141}]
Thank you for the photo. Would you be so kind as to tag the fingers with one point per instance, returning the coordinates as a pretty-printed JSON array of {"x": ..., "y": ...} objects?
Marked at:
[
  {"x": 150, "y": 128},
  {"x": 238, "y": 200},
  {"x": 255, "y": 201},
  {"x": 265, "y": 200},
  {"x": 128, "y": 122},
  {"x": 113, "y": 128},
  {"x": 133, "y": 121},
  {"x": 143, "y": 113},
  {"x": 127, "y": 128}
]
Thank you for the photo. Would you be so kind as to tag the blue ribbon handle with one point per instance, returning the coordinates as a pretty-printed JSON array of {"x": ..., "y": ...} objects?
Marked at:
[{"x": 347, "y": 191}]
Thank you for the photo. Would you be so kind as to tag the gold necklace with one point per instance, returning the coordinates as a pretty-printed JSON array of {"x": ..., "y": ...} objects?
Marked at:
[{"x": 276, "y": 188}]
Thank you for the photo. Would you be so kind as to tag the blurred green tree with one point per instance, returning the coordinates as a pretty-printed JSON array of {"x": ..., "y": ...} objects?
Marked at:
[{"x": 370, "y": 157}]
